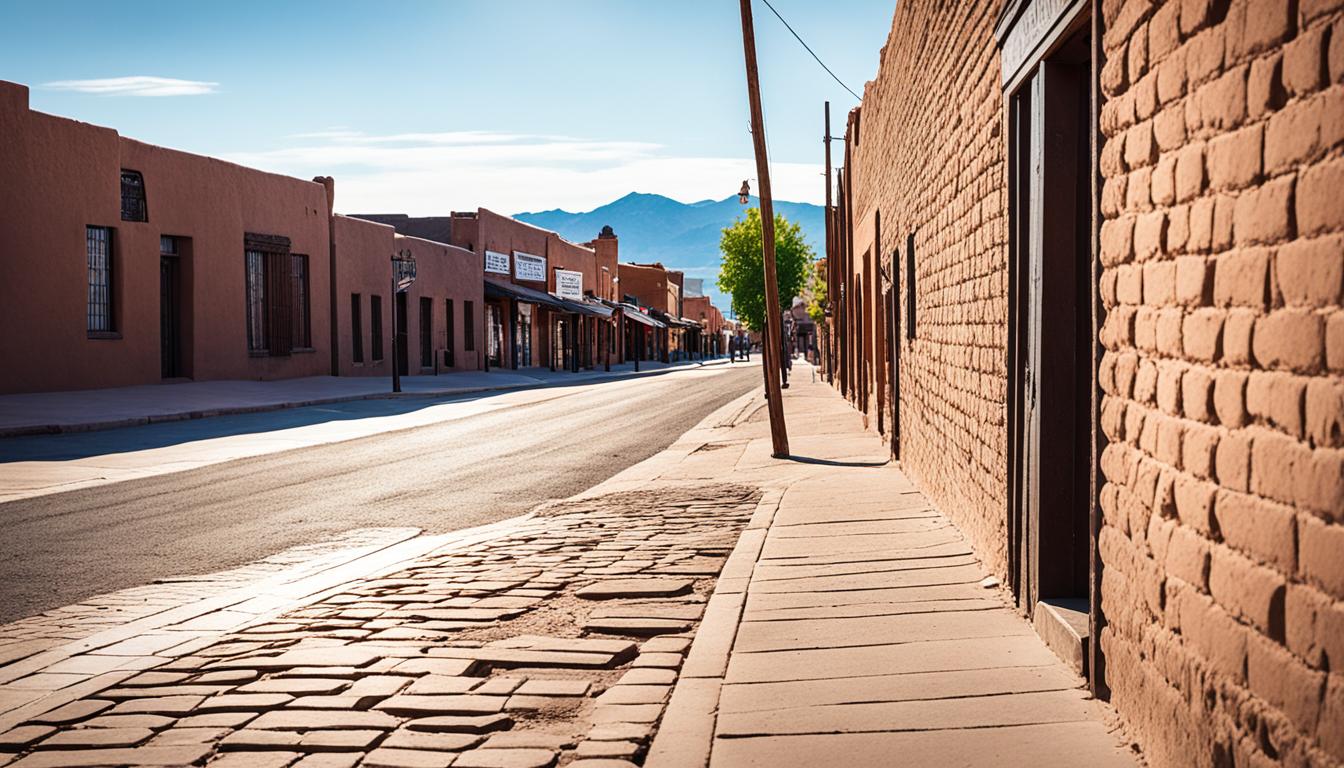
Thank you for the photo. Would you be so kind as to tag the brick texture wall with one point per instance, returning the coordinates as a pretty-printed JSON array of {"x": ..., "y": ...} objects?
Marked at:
[
  {"x": 936, "y": 168},
  {"x": 1223, "y": 253}
]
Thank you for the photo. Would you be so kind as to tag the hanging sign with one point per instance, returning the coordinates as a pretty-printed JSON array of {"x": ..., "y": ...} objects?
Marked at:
[
  {"x": 569, "y": 284},
  {"x": 529, "y": 267},
  {"x": 497, "y": 262}
]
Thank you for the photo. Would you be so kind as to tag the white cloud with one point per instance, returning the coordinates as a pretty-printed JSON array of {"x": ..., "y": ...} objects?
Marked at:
[
  {"x": 432, "y": 173},
  {"x": 139, "y": 85}
]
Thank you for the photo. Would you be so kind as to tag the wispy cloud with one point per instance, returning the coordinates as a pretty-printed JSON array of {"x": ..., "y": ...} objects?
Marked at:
[
  {"x": 433, "y": 172},
  {"x": 139, "y": 85}
]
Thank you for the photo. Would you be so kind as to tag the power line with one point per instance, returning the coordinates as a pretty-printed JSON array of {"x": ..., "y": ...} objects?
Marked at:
[{"x": 809, "y": 50}]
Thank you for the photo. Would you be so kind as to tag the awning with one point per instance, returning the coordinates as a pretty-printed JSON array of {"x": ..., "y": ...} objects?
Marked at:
[
  {"x": 635, "y": 314},
  {"x": 526, "y": 295},
  {"x": 596, "y": 308}
]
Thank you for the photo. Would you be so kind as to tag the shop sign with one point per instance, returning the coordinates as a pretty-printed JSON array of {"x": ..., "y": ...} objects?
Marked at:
[
  {"x": 529, "y": 267},
  {"x": 569, "y": 284},
  {"x": 497, "y": 262}
]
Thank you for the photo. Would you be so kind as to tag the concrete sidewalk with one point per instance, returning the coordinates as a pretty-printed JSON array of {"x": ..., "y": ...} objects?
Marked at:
[{"x": 93, "y": 409}]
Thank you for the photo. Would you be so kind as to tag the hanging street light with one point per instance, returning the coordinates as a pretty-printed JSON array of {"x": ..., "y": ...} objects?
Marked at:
[{"x": 744, "y": 194}]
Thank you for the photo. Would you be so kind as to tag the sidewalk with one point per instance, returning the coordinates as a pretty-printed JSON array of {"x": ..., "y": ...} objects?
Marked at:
[
  {"x": 94, "y": 409},
  {"x": 709, "y": 606}
]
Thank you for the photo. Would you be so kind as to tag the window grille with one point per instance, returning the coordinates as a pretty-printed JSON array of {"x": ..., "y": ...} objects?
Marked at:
[
  {"x": 303, "y": 336},
  {"x": 98, "y": 243},
  {"x": 133, "y": 205},
  {"x": 256, "y": 301}
]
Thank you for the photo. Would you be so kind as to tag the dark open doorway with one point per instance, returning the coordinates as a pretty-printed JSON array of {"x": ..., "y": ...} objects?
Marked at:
[
  {"x": 171, "y": 331},
  {"x": 400, "y": 334}
]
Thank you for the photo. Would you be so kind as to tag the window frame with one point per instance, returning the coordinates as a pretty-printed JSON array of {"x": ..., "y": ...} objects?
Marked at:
[
  {"x": 376, "y": 328},
  {"x": 102, "y": 293},
  {"x": 469, "y": 325},
  {"x": 133, "y": 182},
  {"x": 301, "y": 305},
  {"x": 449, "y": 331},
  {"x": 356, "y": 329}
]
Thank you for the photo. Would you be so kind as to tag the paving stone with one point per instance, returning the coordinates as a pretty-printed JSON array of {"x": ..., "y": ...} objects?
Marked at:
[
  {"x": 303, "y": 720},
  {"x": 275, "y": 759},
  {"x": 226, "y": 676},
  {"x": 336, "y": 656},
  {"x": 295, "y": 686},
  {"x": 334, "y": 702},
  {"x": 627, "y": 713},
  {"x": 616, "y": 588},
  {"x": 634, "y": 694},
  {"x": 461, "y": 723},
  {"x": 620, "y": 610},
  {"x": 163, "y": 705},
  {"x": 153, "y": 679},
  {"x": 72, "y": 712},
  {"x": 602, "y": 762},
  {"x": 617, "y": 626},
  {"x": 254, "y": 739},
  {"x": 566, "y": 644},
  {"x": 16, "y": 739},
  {"x": 418, "y": 706},
  {"x": 620, "y": 732},
  {"x": 529, "y": 740},
  {"x": 177, "y": 736},
  {"x": 499, "y": 686},
  {"x": 611, "y": 749},
  {"x": 521, "y": 657},
  {"x": 555, "y": 688},
  {"x": 648, "y": 676},
  {"x": 389, "y": 757},
  {"x": 152, "y": 722},
  {"x": 92, "y": 738},
  {"x": 445, "y": 667},
  {"x": 79, "y": 758},
  {"x": 161, "y": 691},
  {"x": 329, "y": 760},
  {"x": 506, "y": 758},
  {"x": 217, "y": 720},
  {"x": 339, "y": 740},
  {"x": 345, "y": 673},
  {"x": 659, "y": 660},
  {"x": 439, "y": 742},
  {"x": 665, "y": 645},
  {"x": 244, "y": 702},
  {"x": 432, "y": 684},
  {"x": 378, "y": 685}
]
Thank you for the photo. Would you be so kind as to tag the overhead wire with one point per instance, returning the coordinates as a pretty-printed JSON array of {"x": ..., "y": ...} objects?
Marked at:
[{"x": 809, "y": 50}]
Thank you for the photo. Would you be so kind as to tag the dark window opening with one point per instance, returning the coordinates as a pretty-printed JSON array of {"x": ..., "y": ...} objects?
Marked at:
[
  {"x": 133, "y": 205},
  {"x": 449, "y": 330},
  {"x": 376, "y": 327},
  {"x": 270, "y": 293},
  {"x": 469, "y": 326},
  {"x": 426, "y": 332},
  {"x": 303, "y": 332},
  {"x": 98, "y": 247},
  {"x": 910, "y": 286},
  {"x": 356, "y": 329}
]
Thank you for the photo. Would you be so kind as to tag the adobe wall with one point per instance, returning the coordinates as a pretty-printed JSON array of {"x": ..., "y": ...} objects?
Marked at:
[
  {"x": 935, "y": 167},
  {"x": 1224, "y": 403}
]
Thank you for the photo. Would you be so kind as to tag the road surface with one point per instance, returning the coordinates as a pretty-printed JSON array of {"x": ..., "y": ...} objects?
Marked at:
[{"x": 482, "y": 466}]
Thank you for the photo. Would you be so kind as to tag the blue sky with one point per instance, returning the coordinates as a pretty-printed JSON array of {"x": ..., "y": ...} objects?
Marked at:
[{"x": 424, "y": 107}]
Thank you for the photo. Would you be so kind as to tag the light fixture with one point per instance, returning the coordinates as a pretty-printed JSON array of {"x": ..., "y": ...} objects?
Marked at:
[{"x": 744, "y": 194}]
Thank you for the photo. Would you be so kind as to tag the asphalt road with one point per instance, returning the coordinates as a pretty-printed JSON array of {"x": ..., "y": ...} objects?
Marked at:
[{"x": 60, "y": 548}]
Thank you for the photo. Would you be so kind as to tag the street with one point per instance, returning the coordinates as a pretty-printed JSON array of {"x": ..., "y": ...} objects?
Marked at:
[{"x": 487, "y": 465}]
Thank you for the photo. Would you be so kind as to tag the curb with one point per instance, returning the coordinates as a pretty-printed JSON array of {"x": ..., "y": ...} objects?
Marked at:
[{"x": 98, "y": 426}]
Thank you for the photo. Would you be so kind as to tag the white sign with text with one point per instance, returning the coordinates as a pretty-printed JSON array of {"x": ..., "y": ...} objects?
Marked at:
[
  {"x": 497, "y": 262},
  {"x": 529, "y": 267},
  {"x": 569, "y": 284}
]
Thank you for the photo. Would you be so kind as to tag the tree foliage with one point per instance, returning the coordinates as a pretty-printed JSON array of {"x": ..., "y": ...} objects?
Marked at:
[
  {"x": 816, "y": 293},
  {"x": 742, "y": 275}
]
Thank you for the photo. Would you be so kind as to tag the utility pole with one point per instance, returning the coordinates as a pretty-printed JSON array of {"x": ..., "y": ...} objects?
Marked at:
[
  {"x": 830, "y": 257},
  {"x": 773, "y": 342}
]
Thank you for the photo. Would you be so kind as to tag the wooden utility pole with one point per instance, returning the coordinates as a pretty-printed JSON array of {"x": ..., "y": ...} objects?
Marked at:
[
  {"x": 830, "y": 257},
  {"x": 773, "y": 343}
]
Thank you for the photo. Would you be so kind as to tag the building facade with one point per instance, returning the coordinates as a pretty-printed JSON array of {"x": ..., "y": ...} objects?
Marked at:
[{"x": 1085, "y": 274}]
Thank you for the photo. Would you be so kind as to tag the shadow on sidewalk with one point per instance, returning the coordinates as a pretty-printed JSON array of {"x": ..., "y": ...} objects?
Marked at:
[{"x": 837, "y": 463}]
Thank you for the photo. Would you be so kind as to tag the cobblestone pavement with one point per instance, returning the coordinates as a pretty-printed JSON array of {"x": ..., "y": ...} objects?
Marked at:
[{"x": 554, "y": 642}]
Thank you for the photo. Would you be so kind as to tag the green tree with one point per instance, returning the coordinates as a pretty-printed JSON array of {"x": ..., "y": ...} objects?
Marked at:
[
  {"x": 816, "y": 293},
  {"x": 742, "y": 275}
]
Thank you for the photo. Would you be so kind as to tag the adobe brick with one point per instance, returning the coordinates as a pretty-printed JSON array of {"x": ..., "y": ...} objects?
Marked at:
[
  {"x": 1159, "y": 277},
  {"x": 1150, "y": 233},
  {"x": 1265, "y": 215},
  {"x": 1113, "y": 195},
  {"x": 1305, "y": 68},
  {"x": 1204, "y": 53},
  {"x": 1332, "y": 711},
  {"x": 1221, "y": 104},
  {"x": 1117, "y": 241},
  {"x": 1195, "y": 14},
  {"x": 1129, "y": 284},
  {"x": 1214, "y": 634},
  {"x": 1158, "y": 536},
  {"x": 1274, "y": 465},
  {"x": 1332, "y": 116},
  {"x": 1145, "y": 329},
  {"x": 1171, "y": 78},
  {"x": 1311, "y": 272},
  {"x": 1286, "y": 683},
  {"x": 1136, "y": 53},
  {"x": 1259, "y": 528},
  {"x": 1139, "y": 190},
  {"x": 1194, "y": 281},
  {"x": 1106, "y": 288},
  {"x": 1306, "y": 611},
  {"x": 1294, "y": 135},
  {"x": 1267, "y": 23},
  {"x": 1202, "y": 335},
  {"x": 1232, "y": 462},
  {"x": 1169, "y": 436},
  {"x": 1190, "y": 172},
  {"x": 1234, "y": 159},
  {"x": 1125, "y": 21},
  {"x": 1111, "y": 159},
  {"x": 1318, "y": 546},
  {"x": 1336, "y": 54},
  {"x": 1318, "y": 479},
  {"x": 1325, "y": 412},
  {"x": 1277, "y": 399},
  {"x": 1163, "y": 181},
  {"x": 1126, "y": 365},
  {"x": 1224, "y": 209},
  {"x": 1145, "y": 382},
  {"x": 1229, "y": 398},
  {"x": 1187, "y": 557},
  {"x": 1248, "y": 590},
  {"x": 1313, "y": 9},
  {"x": 1197, "y": 450},
  {"x": 1334, "y": 342},
  {"x": 1318, "y": 204},
  {"x": 1114, "y": 73},
  {"x": 1291, "y": 339},
  {"x": 1145, "y": 96},
  {"x": 1112, "y": 417},
  {"x": 1197, "y": 394},
  {"x": 1178, "y": 228},
  {"x": 1241, "y": 279},
  {"x": 1169, "y": 375},
  {"x": 1194, "y": 503},
  {"x": 1238, "y": 329},
  {"x": 1201, "y": 223},
  {"x": 1140, "y": 148},
  {"x": 1264, "y": 86},
  {"x": 1169, "y": 128}
]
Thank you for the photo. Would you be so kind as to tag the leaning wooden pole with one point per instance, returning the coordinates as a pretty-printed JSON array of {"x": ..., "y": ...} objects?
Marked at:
[
  {"x": 773, "y": 343},
  {"x": 828, "y": 320}
]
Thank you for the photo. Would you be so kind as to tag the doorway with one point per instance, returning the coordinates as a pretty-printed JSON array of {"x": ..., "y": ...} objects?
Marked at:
[
  {"x": 1051, "y": 344},
  {"x": 170, "y": 309},
  {"x": 399, "y": 323}
]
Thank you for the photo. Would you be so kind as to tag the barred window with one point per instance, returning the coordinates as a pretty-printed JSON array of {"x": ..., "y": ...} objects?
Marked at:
[
  {"x": 133, "y": 205},
  {"x": 272, "y": 327},
  {"x": 303, "y": 335},
  {"x": 256, "y": 301},
  {"x": 98, "y": 244}
]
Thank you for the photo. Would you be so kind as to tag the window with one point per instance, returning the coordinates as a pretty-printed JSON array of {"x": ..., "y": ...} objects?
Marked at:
[
  {"x": 303, "y": 332},
  {"x": 910, "y": 286},
  {"x": 272, "y": 326},
  {"x": 356, "y": 329},
  {"x": 469, "y": 326},
  {"x": 449, "y": 328},
  {"x": 376, "y": 327},
  {"x": 98, "y": 243},
  {"x": 133, "y": 206},
  {"x": 426, "y": 332}
]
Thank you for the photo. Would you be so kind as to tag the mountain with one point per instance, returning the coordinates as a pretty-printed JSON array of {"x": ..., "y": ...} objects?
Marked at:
[{"x": 682, "y": 236}]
